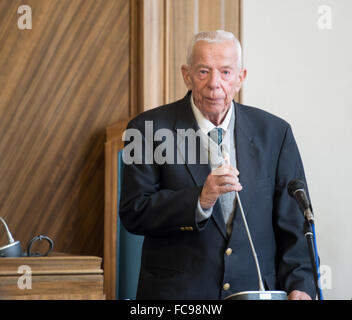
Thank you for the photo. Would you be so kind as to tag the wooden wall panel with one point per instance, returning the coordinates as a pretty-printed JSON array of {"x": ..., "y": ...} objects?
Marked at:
[
  {"x": 154, "y": 52},
  {"x": 183, "y": 24},
  {"x": 61, "y": 84}
]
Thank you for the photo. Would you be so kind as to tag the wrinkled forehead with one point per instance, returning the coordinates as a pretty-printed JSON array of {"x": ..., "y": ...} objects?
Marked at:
[{"x": 221, "y": 53}]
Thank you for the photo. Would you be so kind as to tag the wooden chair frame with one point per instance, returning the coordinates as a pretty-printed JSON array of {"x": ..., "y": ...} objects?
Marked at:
[{"x": 113, "y": 144}]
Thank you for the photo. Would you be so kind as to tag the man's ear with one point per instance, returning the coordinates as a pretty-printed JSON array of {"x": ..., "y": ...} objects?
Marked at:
[
  {"x": 186, "y": 77},
  {"x": 241, "y": 77}
]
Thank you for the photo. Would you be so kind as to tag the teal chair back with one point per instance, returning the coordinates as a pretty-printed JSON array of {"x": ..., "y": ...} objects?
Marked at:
[{"x": 129, "y": 249}]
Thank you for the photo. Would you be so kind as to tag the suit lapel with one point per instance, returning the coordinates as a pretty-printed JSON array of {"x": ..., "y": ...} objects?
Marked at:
[{"x": 184, "y": 121}]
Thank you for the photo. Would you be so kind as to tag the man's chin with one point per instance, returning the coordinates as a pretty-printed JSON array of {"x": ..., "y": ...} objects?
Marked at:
[
  {"x": 215, "y": 108},
  {"x": 209, "y": 101}
]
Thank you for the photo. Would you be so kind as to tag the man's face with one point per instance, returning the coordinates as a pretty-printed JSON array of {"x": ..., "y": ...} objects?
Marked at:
[{"x": 214, "y": 77}]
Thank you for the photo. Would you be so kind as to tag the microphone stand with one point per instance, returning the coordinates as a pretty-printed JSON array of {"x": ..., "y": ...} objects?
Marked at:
[
  {"x": 296, "y": 189},
  {"x": 310, "y": 237}
]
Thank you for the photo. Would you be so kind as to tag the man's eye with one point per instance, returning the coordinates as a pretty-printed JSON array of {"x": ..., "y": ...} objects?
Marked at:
[
  {"x": 203, "y": 71},
  {"x": 226, "y": 72}
]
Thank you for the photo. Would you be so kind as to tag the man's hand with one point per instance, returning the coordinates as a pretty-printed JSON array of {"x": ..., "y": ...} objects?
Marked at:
[
  {"x": 221, "y": 180},
  {"x": 298, "y": 295}
]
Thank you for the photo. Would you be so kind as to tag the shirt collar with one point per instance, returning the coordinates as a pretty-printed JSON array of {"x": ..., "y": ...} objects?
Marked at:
[{"x": 204, "y": 124}]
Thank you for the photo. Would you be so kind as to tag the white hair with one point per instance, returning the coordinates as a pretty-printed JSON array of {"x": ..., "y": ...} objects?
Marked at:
[{"x": 214, "y": 37}]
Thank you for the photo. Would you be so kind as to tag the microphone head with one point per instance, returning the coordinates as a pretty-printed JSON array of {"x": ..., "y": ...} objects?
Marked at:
[{"x": 295, "y": 185}]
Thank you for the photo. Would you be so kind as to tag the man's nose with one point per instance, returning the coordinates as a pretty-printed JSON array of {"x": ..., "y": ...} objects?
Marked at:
[{"x": 214, "y": 80}]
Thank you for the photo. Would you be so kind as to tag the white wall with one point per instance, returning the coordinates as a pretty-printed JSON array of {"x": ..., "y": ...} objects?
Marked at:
[{"x": 303, "y": 74}]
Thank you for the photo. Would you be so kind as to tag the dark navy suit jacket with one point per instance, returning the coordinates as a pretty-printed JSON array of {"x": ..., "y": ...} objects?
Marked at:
[{"x": 184, "y": 260}]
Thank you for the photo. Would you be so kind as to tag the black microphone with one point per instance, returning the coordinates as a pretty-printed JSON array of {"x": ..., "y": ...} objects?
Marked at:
[{"x": 296, "y": 189}]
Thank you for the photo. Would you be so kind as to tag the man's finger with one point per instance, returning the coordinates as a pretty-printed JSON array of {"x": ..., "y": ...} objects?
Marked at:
[
  {"x": 230, "y": 188},
  {"x": 223, "y": 180},
  {"x": 225, "y": 169}
]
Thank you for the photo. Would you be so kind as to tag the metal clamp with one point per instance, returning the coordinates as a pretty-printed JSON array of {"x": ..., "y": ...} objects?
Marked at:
[{"x": 40, "y": 238}]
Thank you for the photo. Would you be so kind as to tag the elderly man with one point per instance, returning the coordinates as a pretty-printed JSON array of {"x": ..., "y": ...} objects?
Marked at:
[{"x": 195, "y": 245}]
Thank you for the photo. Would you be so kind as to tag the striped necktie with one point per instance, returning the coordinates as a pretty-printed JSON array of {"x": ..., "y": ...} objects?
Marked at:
[
  {"x": 216, "y": 134},
  {"x": 227, "y": 200}
]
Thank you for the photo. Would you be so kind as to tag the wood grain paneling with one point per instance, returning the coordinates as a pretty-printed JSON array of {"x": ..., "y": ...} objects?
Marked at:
[
  {"x": 136, "y": 54},
  {"x": 61, "y": 84},
  {"x": 154, "y": 52},
  {"x": 55, "y": 277}
]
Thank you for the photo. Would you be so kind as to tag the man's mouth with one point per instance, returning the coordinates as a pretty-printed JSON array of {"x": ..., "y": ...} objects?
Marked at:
[{"x": 214, "y": 100}]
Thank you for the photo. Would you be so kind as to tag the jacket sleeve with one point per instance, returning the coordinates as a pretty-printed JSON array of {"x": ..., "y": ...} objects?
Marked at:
[
  {"x": 146, "y": 206},
  {"x": 294, "y": 267}
]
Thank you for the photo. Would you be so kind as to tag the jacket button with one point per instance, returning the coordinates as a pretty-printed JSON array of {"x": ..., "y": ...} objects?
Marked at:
[
  {"x": 228, "y": 251},
  {"x": 226, "y": 286}
]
